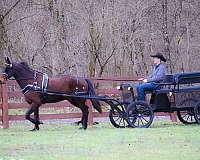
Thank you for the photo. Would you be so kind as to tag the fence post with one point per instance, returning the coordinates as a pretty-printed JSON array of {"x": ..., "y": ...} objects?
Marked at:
[
  {"x": 173, "y": 117},
  {"x": 5, "y": 116},
  {"x": 90, "y": 116},
  {"x": 1, "y": 81}
]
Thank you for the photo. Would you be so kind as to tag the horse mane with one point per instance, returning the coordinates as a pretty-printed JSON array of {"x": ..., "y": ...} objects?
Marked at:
[{"x": 25, "y": 64}]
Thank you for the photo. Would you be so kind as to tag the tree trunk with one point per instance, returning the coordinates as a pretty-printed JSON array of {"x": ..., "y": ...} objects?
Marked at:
[
  {"x": 57, "y": 38},
  {"x": 166, "y": 34},
  {"x": 187, "y": 60}
]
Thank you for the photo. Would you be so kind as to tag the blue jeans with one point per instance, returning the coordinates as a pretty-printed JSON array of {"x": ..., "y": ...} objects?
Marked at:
[{"x": 141, "y": 88}]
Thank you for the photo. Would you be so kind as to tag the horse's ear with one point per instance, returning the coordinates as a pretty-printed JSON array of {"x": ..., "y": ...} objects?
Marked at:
[{"x": 7, "y": 60}]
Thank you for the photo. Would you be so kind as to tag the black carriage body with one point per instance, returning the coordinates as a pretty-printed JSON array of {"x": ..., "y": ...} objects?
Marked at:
[
  {"x": 160, "y": 102},
  {"x": 174, "y": 101},
  {"x": 177, "y": 92}
]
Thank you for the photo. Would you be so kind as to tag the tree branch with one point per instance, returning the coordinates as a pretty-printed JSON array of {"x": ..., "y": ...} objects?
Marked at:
[{"x": 3, "y": 17}]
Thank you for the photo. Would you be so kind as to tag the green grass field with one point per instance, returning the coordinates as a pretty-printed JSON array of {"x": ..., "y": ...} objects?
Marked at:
[{"x": 164, "y": 140}]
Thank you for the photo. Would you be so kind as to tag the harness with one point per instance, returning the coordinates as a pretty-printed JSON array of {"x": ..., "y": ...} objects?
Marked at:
[
  {"x": 44, "y": 87},
  {"x": 34, "y": 86},
  {"x": 45, "y": 80}
]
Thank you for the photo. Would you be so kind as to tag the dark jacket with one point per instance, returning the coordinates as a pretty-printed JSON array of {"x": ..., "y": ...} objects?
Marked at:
[{"x": 158, "y": 73}]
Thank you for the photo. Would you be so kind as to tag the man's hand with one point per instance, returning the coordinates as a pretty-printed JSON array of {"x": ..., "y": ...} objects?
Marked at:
[
  {"x": 144, "y": 80},
  {"x": 140, "y": 79}
]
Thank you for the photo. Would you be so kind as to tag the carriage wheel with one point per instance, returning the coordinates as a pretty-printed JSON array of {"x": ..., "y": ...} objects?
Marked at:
[
  {"x": 187, "y": 116},
  {"x": 140, "y": 115},
  {"x": 117, "y": 117},
  {"x": 197, "y": 113}
]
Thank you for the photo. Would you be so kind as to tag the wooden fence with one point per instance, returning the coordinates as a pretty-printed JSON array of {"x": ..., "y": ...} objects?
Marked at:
[{"x": 11, "y": 99}]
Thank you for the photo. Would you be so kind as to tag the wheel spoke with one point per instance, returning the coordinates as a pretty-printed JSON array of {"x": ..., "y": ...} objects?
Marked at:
[
  {"x": 144, "y": 118},
  {"x": 188, "y": 117},
  {"x": 120, "y": 121},
  {"x": 124, "y": 122},
  {"x": 138, "y": 122},
  {"x": 141, "y": 121},
  {"x": 117, "y": 119},
  {"x": 184, "y": 116}
]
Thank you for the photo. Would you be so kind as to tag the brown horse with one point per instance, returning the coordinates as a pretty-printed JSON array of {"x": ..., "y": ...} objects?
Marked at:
[{"x": 65, "y": 84}]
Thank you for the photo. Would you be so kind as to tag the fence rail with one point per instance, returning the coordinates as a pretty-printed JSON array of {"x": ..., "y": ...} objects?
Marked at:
[{"x": 9, "y": 95}]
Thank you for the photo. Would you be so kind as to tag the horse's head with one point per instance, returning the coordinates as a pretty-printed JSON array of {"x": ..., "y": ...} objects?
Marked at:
[
  {"x": 17, "y": 70},
  {"x": 9, "y": 68}
]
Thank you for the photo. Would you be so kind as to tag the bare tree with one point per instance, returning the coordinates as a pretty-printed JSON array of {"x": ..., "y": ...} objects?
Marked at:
[
  {"x": 3, "y": 33},
  {"x": 98, "y": 38}
]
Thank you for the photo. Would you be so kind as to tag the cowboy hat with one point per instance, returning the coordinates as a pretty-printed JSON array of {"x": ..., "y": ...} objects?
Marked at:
[{"x": 160, "y": 56}]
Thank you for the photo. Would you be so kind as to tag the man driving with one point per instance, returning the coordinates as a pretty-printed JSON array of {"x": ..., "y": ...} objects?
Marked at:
[{"x": 157, "y": 76}]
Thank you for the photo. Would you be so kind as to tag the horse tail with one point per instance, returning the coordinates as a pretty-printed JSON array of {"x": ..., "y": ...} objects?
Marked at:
[{"x": 91, "y": 91}]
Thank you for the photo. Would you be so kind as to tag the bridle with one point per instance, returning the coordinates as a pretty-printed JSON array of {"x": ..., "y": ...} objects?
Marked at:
[{"x": 28, "y": 78}]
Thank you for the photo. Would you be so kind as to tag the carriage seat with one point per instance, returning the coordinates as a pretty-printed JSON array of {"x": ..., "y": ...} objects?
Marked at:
[
  {"x": 158, "y": 100},
  {"x": 181, "y": 78},
  {"x": 169, "y": 78},
  {"x": 187, "y": 78}
]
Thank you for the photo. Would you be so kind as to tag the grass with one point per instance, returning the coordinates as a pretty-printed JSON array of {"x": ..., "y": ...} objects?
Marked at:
[{"x": 164, "y": 140}]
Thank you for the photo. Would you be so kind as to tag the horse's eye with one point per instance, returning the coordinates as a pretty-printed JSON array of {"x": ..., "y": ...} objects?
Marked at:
[{"x": 10, "y": 65}]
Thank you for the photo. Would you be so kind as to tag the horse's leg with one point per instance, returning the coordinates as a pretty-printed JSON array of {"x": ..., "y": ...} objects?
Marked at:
[
  {"x": 37, "y": 119},
  {"x": 32, "y": 109},
  {"x": 84, "y": 108},
  {"x": 85, "y": 113},
  {"x": 81, "y": 121},
  {"x": 76, "y": 103}
]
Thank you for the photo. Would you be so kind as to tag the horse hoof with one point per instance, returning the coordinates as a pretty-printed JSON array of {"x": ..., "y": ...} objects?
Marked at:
[
  {"x": 83, "y": 128},
  {"x": 77, "y": 123},
  {"x": 40, "y": 122},
  {"x": 34, "y": 129},
  {"x": 95, "y": 123}
]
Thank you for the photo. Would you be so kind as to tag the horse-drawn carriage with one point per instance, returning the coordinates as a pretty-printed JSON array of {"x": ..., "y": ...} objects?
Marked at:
[{"x": 178, "y": 92}]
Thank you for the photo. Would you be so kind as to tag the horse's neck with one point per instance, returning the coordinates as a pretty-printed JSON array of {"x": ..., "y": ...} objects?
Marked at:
[{"x": 25, "y": 79}]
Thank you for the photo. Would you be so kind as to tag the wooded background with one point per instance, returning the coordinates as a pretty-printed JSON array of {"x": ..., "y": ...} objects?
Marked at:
[{"x": 100, "y": 37}]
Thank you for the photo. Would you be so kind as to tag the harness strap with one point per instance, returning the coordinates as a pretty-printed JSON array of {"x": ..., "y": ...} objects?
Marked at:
[
  {"x": 30, "y": 87},
  {"x": 33, "y": 87},
  {"x": 45, "y": 79}
]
